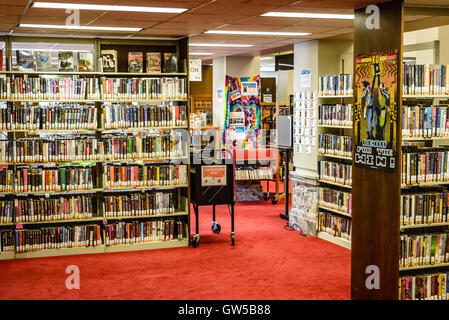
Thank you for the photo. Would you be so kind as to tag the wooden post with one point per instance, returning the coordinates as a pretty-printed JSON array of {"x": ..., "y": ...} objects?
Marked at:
[{"x": 376, "y": 193}]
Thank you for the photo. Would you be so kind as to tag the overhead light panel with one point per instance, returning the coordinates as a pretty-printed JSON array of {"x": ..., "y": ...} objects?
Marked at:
[
  {"x": 76, "y": 6},
  {"x": 220, "y": 45},
  {"x": 309, "y": 15},
  {"x": 259, "y": 33},
  {"x": 72, "y": 27},
  {"x": 267, "y": 58}
]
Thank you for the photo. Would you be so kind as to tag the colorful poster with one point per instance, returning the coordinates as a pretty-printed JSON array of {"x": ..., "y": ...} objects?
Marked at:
[
  {"x": 195, "y": 71},
  {"x": 250, "y": 107},
  {"x": 306, "y": 79},
  {"x": 376, "y": 110},
  {"x": 213, "y": 176}
]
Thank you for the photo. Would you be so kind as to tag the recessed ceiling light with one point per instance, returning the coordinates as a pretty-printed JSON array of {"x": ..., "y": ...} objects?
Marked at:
[
  {"x": 71, "y": 27},
  {"x": 200, "y": 53},
  {"x": 259, "y": 33},
  {"x": 219, "y": 45},
  {"x": 53, "y": 5},
  {"x": 308, "y": 15}
]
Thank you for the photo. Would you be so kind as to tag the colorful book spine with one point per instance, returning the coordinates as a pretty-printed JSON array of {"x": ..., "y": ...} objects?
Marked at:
[
  {"x": 335, "y": 200},
  {"x": 335, "y": 172},
  {"x": 335, "y": 145},
  {"x": 335, "y": 115},
  {"x": 424, "y": 208},
  {"x": 6, "y": 212},
  {"x": 424, "y": 287},
  {"x": 7, "y": 241},
  {"x": 334, "y": 225},
  {"x": 425, "y": 79},
  {"x": 423, "y": 250},
  {"x": 425, "y": 121},
  {"x": 139, "y": 204},
  {"x": 335, "y": 85}
]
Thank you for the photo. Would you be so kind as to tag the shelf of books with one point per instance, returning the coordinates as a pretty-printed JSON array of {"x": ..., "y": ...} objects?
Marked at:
[
  {"x": 94, "y": 156},
  {"x": 335, "y": 159}
]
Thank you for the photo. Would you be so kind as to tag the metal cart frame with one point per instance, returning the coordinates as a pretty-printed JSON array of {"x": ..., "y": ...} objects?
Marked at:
[{"x": 212, "y": 195}]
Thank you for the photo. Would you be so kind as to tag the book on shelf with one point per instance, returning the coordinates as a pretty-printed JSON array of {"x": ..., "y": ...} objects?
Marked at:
[
  {"x": 61, "y": 178},
  {"x": 24, "y": 87},
  {"x": 118, "y": 176},
  {"x": 121, "y": 115},
  {"x": 424, "y": 287},
  {"x": 425, "y": 79},
  {"x": 423, "y": 250},
  {"x": 335, "y": 85},
  {"x": 109, "y": 60},
  {"x": 42, "y": 209},
  {"x": 7, "y": 243},
  {"x": 85, "y": 61},
  {"x": 263, "y": 173},
  {"x": 119, "y": 233},
  {"x": 335, "y": 172},
  {"x": 2, "y": 55},
  {"x": 65, "y": 61},
  {"x": 329, "y": 144},
  {"x": 43, "y": 61},
  {"x": 6, "y": 211},
  {"x": 335, "y": 115},
  {"x": 139, "y": 204},
  {"x": 425, "y": 121},
  {"x": 334, "y": 225},
  {"x": 141, "y": 89},
  {"x": 65, "y": 116},
  {"x": 428, "y": 207},
  {"x": 27, "y": 240},
  {"x": 154, "y": 62},
  {"x": 170, "y": 63},
  {"x": 424, "y": 165},
  {"x": 6, "y": 179},
  {"x": 335, "y": 200},
  {"x": 135, "y": 62},
  {"x": 25, "y": 60}
]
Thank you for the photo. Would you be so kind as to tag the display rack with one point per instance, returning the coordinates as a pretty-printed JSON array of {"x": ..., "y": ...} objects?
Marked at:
[{"x": 139, "y": 231}]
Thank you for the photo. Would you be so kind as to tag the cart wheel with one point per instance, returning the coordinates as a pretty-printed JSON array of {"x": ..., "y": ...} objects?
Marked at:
[
  {"x": 266, "y": 196},
  {"x": 274, "y": 200},
  {"x": 232, "y": 238},
  {"x": 196, "y": 241},
  {"x": 216, "y": 228}
]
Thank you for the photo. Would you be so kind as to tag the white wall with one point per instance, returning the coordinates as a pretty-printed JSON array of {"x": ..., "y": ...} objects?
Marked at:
[
  {"x": 218, "y": 82},
  {"x": 421, "y": 36}
]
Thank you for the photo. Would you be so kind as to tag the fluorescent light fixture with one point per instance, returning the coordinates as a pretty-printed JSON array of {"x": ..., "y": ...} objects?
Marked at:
[
  {"x": 259, "y": 33},
  {"x": 220, "y": 45},
  {"x": 309, "y": 15},
  {"x": 200, "y": 53},
  {"x": 70, "y": 27},
  {"x": 53, "y": 5},
  {"x": 267, "y": 58}
]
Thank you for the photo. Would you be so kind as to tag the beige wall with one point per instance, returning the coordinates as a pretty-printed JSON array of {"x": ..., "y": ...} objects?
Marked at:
[{"x": 242, "y": 66}]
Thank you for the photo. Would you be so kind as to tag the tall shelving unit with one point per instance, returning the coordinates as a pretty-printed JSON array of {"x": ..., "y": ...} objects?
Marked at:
[{"x": 98, "y": 190}]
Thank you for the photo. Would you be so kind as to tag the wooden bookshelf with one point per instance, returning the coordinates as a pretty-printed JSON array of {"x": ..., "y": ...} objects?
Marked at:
[{"x": 182, "y": 190}]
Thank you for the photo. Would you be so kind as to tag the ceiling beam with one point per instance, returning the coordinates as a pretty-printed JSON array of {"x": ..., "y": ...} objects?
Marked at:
[{"x": 426, "y": 11}]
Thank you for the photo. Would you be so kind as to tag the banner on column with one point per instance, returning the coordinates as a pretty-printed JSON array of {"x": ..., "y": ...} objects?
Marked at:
[
  {"x": 242, "y": 97},
  {"x": 376, "y": 111}
]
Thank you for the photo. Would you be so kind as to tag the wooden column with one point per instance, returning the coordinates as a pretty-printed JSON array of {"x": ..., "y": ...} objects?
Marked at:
[{"x": 376, "y": 193}]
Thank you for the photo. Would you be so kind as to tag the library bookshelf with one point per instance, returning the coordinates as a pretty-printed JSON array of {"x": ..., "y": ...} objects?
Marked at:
[{"x": 147, "y": 206}]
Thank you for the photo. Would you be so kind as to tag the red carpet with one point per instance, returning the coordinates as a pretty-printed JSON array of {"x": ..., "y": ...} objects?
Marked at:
[{"x": 268, "y": 262}]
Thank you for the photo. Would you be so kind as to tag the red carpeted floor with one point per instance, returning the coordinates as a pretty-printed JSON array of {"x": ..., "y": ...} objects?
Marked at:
[{"x": 268, "y": 262}]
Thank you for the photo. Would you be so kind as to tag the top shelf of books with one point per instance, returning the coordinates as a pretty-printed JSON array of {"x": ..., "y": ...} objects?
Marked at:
[{"x": 86, "y": 73}]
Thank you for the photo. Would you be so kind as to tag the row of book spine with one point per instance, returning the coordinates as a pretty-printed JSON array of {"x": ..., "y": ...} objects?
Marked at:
[
  {"x": 335, "y": 200},
  {"x": 335, "y": 145},
  {"x": 425, "y": 121},
  {"x": 38, "y": 150},
  {"x": 335, "y": 115},
  {"x": 334, "y": 225},
  {"x": 41, "y": 209},
  {"x": 64, "y": 116},
  {"x": 143, "y": 231},
  {"x": 335, "y": 172},
  {"x": 54, "y": 179},
  {"x": 424, "y": 287},
  {"x": 424, "y": 208},
  {"x": 263, "y": 173},
  {"x": 144, "y": 88},
  {"x": 57, "y": 237},
  {"x": 139, "y": 204},
  {"x": 424, "y": 165},
  {"x": 120, "y": 115},
  {"x": 120, "y": 176},
  {"x": 331, "y": 85},
  {"x": 422, "y": 79},
  {"x": 424, "y": 249},
  {"x": 24, "y": 87}
]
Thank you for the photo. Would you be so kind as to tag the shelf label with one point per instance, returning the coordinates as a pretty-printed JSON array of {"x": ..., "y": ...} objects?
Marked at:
[{"x": 213, "y": 176}]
